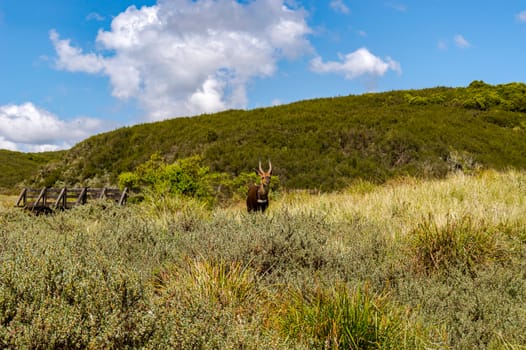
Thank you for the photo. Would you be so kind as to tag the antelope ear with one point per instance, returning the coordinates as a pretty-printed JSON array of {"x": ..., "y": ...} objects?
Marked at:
[{"x": 256, "y": 171}]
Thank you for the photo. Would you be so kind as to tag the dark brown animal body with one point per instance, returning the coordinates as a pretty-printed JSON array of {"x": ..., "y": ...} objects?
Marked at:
[{"x": 257, "y": 196}]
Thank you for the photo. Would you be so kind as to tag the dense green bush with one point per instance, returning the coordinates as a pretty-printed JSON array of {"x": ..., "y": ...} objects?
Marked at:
[
  {"x": 185, "y": 177},
  {"x": 189, "y": 178}
]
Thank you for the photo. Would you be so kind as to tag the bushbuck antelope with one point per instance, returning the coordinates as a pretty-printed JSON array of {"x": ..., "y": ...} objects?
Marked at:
[{"x": 257, "y": 197}]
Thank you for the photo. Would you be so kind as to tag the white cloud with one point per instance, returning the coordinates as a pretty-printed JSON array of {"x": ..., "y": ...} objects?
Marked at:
[
  {"x": 458, "y": 41},
  {"x": 28, "y": 128},
  {"x": 362, "y": 33},
  {"x": 397, "y": 6},
  {"x": 5, "y": 144},
  {"x": 208, "y": 98},
  {"x": 442, "y": 45},
  {"x": 360, "y": 63},
  {"x": 183, "y": 57},
  {"x": 461, "y": 42},
  {"x": 72, "y": 58},
  {"x": 94, "y": 16},
  {"x": 339, "y": 6},
  {"x": 521, "y": 16}
]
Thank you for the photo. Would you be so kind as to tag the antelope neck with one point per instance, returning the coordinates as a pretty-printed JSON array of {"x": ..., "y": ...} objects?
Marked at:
[{"x": 263, "y": 189}]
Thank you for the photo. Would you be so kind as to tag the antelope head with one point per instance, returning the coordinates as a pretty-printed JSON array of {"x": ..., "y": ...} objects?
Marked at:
[{"x": 265, "y": 176}]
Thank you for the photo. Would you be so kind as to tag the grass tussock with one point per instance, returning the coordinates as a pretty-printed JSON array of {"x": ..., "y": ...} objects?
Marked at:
[
  {"x": 369, "y": 267},
  {"x": 222, "y": 283},
  {"x": 459, "y": 243},
  {"x": 339, "y": 318}
]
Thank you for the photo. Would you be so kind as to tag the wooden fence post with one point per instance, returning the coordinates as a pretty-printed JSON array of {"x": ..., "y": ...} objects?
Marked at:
[
  {"x": 124, "y": 196},
  {"x": 23, "y": 198},
  {"x": 61, "y": 199},
  {"x": 41, "y": 197}
]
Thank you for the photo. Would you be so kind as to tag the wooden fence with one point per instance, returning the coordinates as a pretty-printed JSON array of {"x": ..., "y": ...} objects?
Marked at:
[{"x": 48, "y": 199}]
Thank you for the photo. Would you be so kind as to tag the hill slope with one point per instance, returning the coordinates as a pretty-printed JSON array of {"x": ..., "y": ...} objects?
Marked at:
[
  {"x": 16, "y": 167},
  {"x": 325, "y": 143}
]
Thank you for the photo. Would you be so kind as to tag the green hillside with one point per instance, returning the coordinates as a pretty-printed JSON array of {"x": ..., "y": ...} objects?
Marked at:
[
  {"x": 326, "y": 143},
  {"x": 16, "y": 167}
]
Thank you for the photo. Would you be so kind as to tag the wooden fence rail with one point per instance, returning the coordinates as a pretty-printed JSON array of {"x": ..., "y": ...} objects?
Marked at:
[{"x": 48, "y": 199}]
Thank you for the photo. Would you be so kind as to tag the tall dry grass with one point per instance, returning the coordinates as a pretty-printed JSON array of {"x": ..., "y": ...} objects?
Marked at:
[
  {"x": 400, "y": 205},
  {"x": 7, "y": 201}
]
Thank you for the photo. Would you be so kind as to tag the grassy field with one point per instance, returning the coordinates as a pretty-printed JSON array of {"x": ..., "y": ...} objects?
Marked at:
[
  {"x": 7, "y": 201},
  {"x": 410, "y": 264}
]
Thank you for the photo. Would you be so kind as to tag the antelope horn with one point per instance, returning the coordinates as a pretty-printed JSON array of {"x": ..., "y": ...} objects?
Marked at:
[
  {"x": 260, "y": 170},
  {"x": 269, "y": 166}
]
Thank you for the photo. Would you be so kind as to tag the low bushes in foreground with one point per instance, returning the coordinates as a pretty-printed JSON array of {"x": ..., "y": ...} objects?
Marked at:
[{"x": 359, "y": 269}]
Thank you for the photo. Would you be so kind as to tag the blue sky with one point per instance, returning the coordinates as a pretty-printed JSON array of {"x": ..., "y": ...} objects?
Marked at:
[{"x": 73, "y": 68}]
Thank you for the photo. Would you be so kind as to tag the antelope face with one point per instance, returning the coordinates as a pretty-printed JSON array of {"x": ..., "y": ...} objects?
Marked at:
[{"x": 265, "y": 175}]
